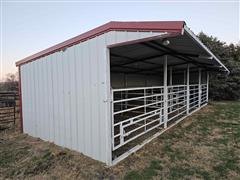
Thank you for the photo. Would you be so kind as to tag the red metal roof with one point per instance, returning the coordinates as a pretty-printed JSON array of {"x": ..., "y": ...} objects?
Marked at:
[{"x": 166, "y": 26}]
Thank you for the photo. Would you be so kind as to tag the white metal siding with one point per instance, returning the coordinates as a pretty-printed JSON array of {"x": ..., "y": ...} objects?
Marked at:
[{"x": 66, "y": 98}]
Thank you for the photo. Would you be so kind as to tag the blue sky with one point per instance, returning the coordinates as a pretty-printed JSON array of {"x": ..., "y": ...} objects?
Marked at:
[{"x": 29, "y": 27}]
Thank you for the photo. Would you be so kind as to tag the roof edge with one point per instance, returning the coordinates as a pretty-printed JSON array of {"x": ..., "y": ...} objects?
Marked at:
[
  {"x": 205, "y": 48},
  {"x": 159, "y": 26}
]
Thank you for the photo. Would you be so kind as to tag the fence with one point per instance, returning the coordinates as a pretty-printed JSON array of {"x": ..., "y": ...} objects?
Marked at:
[
  {"x": 9, "y": 108},
  {"x": 137, "y": 111}
]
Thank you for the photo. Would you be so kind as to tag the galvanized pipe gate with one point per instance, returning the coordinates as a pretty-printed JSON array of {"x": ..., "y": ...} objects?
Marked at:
[{"x": 139, "y": 111}]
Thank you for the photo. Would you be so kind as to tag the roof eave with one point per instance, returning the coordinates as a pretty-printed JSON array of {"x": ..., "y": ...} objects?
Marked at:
[
  {"x": 195, "y": 38},
  {"x": 158, "y": 26}
]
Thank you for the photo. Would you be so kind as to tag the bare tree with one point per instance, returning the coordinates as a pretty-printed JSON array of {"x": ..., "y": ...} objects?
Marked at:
[{"x": 10, "y": 83}]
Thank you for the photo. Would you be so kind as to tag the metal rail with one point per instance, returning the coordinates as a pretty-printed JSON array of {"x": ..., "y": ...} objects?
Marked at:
[
  {"x": 8, "y": 108},
  {"x": 136, "y": 111}
]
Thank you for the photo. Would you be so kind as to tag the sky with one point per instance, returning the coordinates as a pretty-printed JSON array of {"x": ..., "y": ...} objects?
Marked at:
[{"x": 28, "y": 27}]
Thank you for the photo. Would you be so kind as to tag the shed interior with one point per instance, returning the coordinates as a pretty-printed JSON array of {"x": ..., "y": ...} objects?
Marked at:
[
  {"x": 137, "y": 82},
  {"x": 141, "y": 64}
]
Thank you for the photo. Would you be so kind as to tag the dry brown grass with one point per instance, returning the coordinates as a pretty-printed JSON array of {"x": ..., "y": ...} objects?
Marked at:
[{"x": 203, "y": 146}]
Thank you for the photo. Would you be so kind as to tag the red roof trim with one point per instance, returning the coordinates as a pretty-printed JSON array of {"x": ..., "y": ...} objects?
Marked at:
[{"x": 167, "y": 26}]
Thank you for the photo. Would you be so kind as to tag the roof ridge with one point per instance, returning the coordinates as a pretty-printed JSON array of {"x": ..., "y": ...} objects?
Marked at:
[{"x": 158, "y": 26}]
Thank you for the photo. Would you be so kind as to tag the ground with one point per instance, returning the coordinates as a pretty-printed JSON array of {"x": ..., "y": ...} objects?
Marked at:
[{"x": 205, "y": 145}]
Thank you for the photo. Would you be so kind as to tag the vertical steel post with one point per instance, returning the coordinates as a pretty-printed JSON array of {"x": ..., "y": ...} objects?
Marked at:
[
  {"x": 188, "y": 89},
  {"x": 145, "y": 101},
  {"x": 145, "y": 108},
  {"x": 207, "y": 86},
  {"x": 165, "y": 92},
  {"x": 185, "y": 82},
  {"x": 184, "y": 77},
  {"x": 199, "y": 87},
  {"x": 170, "y": 84},
  {"x": 112, "y": 122}
]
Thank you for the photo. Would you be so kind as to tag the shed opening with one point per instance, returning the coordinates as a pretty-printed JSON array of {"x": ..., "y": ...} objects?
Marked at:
[{"x": 153, "y": 87}]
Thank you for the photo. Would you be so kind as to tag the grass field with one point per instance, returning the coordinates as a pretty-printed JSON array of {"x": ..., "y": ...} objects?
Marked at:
[{"x": 205, "y": 145}]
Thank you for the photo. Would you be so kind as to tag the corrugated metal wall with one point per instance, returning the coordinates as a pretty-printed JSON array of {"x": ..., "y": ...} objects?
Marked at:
[{"x": 66, "y": 95}]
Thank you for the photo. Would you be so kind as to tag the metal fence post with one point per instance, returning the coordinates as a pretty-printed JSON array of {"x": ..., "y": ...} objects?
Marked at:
[
  {"x": 199, "y": 87},
  {"x": 207, "y": 86},
  {"x": 165, "y": 93},
  {"x": 145, "y": 108},
  {"x": 188, "y": 89},
  {"x": 170, "y": 84},
  {"x": 112, "y": 119}
]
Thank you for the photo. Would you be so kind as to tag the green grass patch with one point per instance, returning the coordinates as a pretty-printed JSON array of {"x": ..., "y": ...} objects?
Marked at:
[
  {"x": 36, "y": 164},
  {"x": 146, "y": 173},
  {"x": 174, "y": 154},
  {"x": 228, "y": 160},
  {"x": 40, "y": 163},
  {"x": 183, "y": 172},
  {"x": 10, "y": 156}
]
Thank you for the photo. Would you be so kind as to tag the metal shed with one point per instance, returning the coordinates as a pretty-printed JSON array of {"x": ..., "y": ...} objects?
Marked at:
[{"x": 109, "y": 91}]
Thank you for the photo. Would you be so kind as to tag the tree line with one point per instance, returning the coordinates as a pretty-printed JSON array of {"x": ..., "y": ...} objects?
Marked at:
[{"x": 221, "y": 85}]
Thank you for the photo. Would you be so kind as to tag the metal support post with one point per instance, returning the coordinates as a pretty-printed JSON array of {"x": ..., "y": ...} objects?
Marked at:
[
  {"x": 188, "y": 89},
  {"x": 165, "y": 92},
  {"x": 207, "y": 86},
  {"x": 170, "y": 84},
  {"x": 199, "y": 87}
]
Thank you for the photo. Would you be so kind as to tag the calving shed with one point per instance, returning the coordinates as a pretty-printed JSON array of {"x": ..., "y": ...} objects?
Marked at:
[{"x": 109, "y": 91}]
